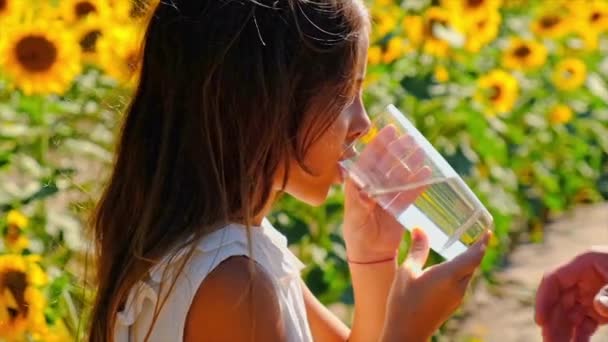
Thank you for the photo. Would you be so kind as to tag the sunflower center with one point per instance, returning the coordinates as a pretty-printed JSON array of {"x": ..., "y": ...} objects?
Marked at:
[
  {"x": 84, "y": 8},
  {"x": 596, "y": 16},
  {"x": 568, "y": 73},
  {"x": 549, "y": 21},
  {"x": 522, "y": 51},
  {"x": 475, "y": 3},
  {"x": 495, "y": 93},
  {"x": 16, "y": 283},
  {"x": 89, "y": 40},
  {"x": 36, "y": 53},
  {"x": 3, "y": 4},
  {"x": 12, "y": 233}
]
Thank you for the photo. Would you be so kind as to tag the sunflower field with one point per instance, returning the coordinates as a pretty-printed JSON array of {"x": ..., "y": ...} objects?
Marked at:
[{"x": 513, "y": 93}]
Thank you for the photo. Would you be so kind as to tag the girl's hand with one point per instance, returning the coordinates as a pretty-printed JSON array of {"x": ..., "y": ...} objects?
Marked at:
[
  {"x": 371, "y": 232},
  {"x": 421, "y": 300}
]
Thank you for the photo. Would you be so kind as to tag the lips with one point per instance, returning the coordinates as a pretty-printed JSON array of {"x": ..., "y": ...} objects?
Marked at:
[{"x": 349, "y": 152}]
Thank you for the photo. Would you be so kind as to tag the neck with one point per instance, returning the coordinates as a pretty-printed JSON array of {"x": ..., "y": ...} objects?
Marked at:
[{"x": 257, "y": 219}]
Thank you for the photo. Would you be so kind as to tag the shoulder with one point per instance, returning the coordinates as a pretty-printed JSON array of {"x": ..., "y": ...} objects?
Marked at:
[{"x": 236, "y": 301}]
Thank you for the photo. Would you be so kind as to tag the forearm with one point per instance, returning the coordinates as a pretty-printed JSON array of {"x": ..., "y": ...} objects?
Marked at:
[{"x": 371, "y": 285}]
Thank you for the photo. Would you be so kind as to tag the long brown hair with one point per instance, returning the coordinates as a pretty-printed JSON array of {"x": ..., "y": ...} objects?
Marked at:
[{"x": 228, "y": 91}]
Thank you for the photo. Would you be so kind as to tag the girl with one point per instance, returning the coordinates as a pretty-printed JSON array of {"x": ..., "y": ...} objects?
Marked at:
[{"x": 237, "y": 102}]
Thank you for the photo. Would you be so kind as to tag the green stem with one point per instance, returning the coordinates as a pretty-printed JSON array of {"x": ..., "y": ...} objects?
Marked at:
[
  {"x": 43, "y": 143},
  {"x": 71, "y": 308}
]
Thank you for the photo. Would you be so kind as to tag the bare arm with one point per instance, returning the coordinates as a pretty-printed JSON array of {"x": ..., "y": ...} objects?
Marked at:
[
  {"x": 236, "y": 302},
  {"x": 324, "y": 325},
  {"x": 371, "y": 284}
]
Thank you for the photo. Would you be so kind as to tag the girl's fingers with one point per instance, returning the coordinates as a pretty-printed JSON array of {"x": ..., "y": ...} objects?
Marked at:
[
  {"x": 465, "y": 264},
  {"x": 419, "y": 251}
]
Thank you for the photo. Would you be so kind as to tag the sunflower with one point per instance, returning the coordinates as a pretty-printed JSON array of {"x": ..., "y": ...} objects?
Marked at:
[
  {"x": 551, "y": 25},
  {"x": 590, "y": 14},
  {"x": 597, "y": 16},
  {"x": 88, "y": 33},
  {"x": 384, "y": 19},
  {"x": 560, "y": 114},
  {"x": 120, "y": 52},
  {"x": 14, "y": 240},
  {"x": 76, "y": 10},
  {"x": 524, "y": 54},
  {"x": 21, "y": 302},
  {"x": 589, "y": 21},
  {"x": 40, "y": 58},
  {"x": 482, "y": 31},
  {"x": 497, "y": 91},
  {"x": 422, "y": 31},
  {"x": 570, "y": 74}
]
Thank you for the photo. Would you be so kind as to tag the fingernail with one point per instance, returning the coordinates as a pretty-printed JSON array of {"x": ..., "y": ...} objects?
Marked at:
[
  {"x": 486, "y": 238},
  {"x": 417, "y": 233},
  {"x": 484, "y": 242},
  {"x": 603, "y": 300}
]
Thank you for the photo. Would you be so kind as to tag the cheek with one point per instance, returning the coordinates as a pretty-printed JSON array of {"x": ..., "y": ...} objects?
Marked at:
[
  {"x": 327, "y": 150},
  {"x": 321, "y": 160}
]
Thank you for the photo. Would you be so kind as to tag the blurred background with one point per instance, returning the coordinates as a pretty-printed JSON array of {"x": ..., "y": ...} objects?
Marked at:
[{"x": 513, "y": 93}]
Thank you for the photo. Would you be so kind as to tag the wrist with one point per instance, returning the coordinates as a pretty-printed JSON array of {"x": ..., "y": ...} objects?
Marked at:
[
  {"x": 372, "y": 260},
  {"x": 362, "y": 256}
]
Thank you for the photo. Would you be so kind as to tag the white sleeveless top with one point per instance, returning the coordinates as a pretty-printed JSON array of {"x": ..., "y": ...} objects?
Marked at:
[{"x": 269, "y": 250}]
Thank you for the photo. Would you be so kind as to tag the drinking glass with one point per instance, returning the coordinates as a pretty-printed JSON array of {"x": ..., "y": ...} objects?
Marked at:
[{"x": 398, "y": 167}]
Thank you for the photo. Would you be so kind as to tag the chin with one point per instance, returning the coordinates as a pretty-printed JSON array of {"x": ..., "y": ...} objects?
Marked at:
[{"x": 314, "y": 195}]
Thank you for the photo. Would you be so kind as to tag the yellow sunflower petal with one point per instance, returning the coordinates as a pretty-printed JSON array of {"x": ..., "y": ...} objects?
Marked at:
[
  {"x": 560, "y": 114},
  {"x": 441, "y": 74},
  {"x": 133, "y": 10},
  {"x": 17, "y": 219},
  {"x": 120, "y": 52},
  {"x": 11, "y": 11}
]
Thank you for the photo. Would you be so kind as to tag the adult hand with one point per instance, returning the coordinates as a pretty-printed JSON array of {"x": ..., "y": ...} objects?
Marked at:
[{"x": 572, "y": 300}]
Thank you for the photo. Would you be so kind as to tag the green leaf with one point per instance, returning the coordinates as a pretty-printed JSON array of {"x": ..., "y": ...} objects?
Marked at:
[{"x": 418, "y": 86}]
